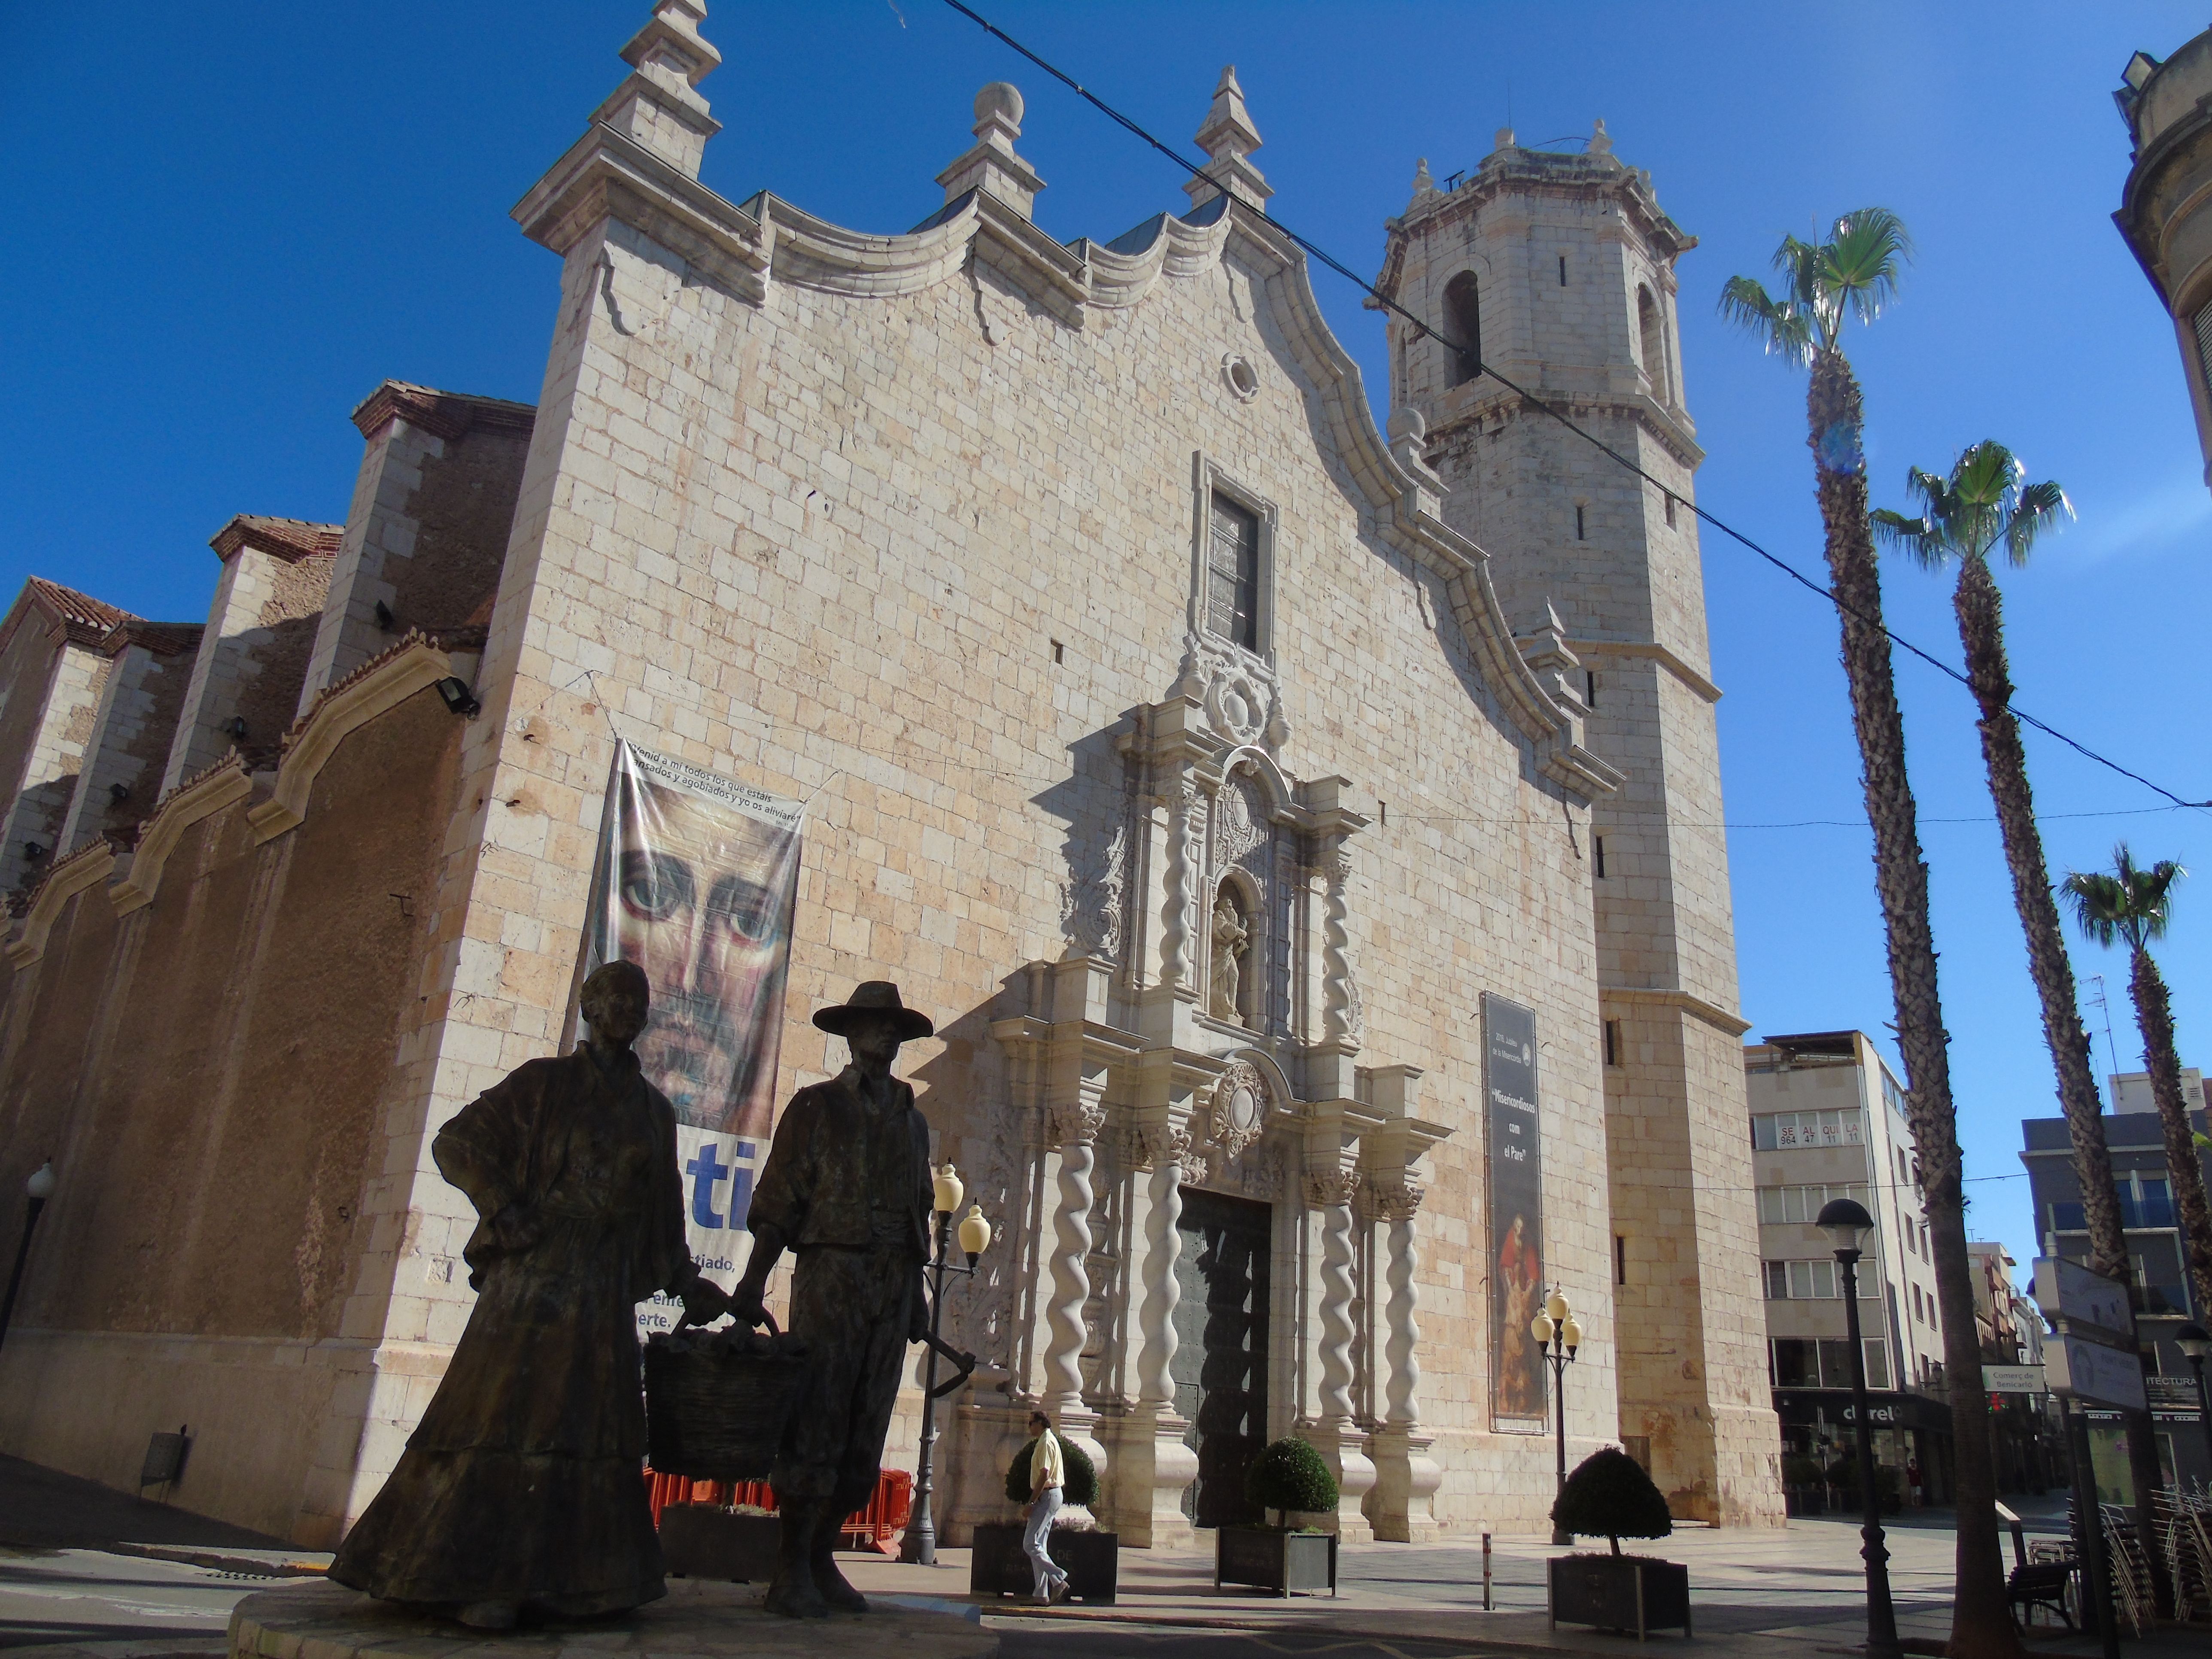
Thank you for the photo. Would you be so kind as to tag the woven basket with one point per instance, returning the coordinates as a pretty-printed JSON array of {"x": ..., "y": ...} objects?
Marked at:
[{"x": 717, "y": 1416}]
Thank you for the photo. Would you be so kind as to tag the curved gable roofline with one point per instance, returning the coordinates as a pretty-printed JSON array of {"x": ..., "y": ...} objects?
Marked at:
[{"x": 742, "y": 249}]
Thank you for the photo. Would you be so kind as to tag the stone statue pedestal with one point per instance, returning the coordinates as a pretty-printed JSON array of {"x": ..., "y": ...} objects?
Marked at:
[{"x": 323, "y": 1620}]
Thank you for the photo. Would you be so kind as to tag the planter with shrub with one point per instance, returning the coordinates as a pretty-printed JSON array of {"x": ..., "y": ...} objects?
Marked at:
[
  {"x": 1286, "y": 1477},
  {"x": 1888, "y": 1485},
  {"x": 1090, "y": 1557},
  {"x": 1609, "y": 1496}
]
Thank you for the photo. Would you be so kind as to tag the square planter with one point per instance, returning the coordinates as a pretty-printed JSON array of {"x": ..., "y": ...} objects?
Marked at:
[
  {"x": 1266, "y": 1559},
  {"x": 1091, "y": 1559},
  {"x": 1638, "y": 1593},
  {"x": 703, "y": 1541}
]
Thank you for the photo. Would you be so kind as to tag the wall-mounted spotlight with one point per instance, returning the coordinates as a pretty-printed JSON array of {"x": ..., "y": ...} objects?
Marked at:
[
  {"x": 385, "y": 621},
  {"x": 119, "y": 792},
  {"x": 234, "y": 728},
  {"x": 33, "y": 849},
  {"x": 459, "y": 697}
]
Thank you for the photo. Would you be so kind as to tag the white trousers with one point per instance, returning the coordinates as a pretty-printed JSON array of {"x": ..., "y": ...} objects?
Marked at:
[{"x": 1037, "y": 1535}]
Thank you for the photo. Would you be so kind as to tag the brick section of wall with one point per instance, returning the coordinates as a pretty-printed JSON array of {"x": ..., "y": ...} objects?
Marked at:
[
  {"x": 426, "y": 536},
  {"x": 260, "y": 633},
  {"x": 139, "y": 710}
]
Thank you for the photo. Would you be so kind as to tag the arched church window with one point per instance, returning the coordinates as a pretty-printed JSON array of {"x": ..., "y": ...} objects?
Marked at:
[
  {"x": 1230, "y": 994},
  {"x": 1652, "y": 341},
  {"x": 1463, "y": 322}
]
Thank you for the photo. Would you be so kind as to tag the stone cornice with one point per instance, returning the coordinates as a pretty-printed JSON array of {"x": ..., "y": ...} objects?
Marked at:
[
  {"x": 198, "y": 797},
  {"x": 379, "y": 685},
  {"x": 1649, "y": 651},
  {"x": 87, "y": 867},
  {"x": 289, "y": 539},
  {"x": 162, "y": 639},
  {"x": 1696, "y": 1006},
  {"x": 448, "y": 414}
]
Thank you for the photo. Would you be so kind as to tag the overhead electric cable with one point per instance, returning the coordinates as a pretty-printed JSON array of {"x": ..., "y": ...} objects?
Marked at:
[{"x": 1531, "y": 398}]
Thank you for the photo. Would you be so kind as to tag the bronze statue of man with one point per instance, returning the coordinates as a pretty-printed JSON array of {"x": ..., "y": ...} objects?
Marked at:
[
  {"x": 520, "y": 1490},
  {"x": 846, "y": 1188}
]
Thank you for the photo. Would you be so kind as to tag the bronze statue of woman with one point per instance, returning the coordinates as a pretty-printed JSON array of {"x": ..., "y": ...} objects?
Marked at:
[{"x": 521, "y": 1490}]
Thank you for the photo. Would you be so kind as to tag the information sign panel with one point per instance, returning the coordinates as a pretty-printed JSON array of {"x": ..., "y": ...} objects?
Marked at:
[
  {"x": 2090, "y": 1370},
  {"x": 2066, "y": 1290},
  {"x": 2012, "y": 1379}
]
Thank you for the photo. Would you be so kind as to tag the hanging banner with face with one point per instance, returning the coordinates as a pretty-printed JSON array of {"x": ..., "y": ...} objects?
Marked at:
[
  {"x": 1518, "y": 1403},
  {"x": 696, "y": 882}
]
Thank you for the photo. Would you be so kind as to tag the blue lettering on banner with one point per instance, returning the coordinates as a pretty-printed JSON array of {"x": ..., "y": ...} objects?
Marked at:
[{"x": 706, "y": 1171}]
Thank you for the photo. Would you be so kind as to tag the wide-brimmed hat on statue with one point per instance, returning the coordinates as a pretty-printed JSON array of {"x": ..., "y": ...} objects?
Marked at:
[{"x": 877, "y": 996}]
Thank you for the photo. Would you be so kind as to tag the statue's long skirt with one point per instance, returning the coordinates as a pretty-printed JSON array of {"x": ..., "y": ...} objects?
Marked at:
[{"x": 524, "y": 1481}]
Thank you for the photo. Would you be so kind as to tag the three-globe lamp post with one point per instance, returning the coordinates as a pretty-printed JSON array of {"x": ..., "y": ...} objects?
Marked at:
[
  {"x": 1846, "y": 1223},
  {"x": 1558, "y": 1335},
  {"x": 37, "y": 1190},
  {"x": 2195, "y": 1345},
  {"x": 920, "y": 1542}
]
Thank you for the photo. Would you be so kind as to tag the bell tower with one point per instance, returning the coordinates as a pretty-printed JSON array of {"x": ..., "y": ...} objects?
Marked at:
[{"x": 1557, "y": 270}]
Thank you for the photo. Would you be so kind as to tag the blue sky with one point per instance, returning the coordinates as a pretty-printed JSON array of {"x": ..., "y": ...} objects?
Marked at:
[{"x": 230, "y": 222}]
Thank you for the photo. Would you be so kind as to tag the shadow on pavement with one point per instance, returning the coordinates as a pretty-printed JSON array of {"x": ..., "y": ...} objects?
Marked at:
[{"x": 43, "y": 1508}]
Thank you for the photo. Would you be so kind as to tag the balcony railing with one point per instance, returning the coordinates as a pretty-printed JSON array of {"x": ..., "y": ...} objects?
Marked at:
[{"x": 2134, "y": 1213}]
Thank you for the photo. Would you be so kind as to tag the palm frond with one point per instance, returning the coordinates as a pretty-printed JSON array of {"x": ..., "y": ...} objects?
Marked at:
[
  {"x": 1918, "y": 537},
  {"x": 2041, "y": 508},
  {"x": 1862, "y": 259},
  {"x": 2099, "y": 902},
  {"x": 1781, "y": 326}
]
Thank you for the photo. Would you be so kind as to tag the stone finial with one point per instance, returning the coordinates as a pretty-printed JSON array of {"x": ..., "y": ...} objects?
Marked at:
[
  {"x": 658, "y": 106},
  {"x": 1503, "y": 139},
  {"x": 1228, "y": 137},
  {"x": 1544, "y": 649},
  {"x": 1601, "y": 142},
  {"x": 1423, "y": 184},
  {"x": 991, "y": 166}
]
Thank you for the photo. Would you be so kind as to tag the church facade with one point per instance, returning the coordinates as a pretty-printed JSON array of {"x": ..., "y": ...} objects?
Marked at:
[{"x": 1304, "y": 835}]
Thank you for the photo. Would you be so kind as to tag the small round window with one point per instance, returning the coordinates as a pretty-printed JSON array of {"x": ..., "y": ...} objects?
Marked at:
[{"x": 1243, "y": 380}]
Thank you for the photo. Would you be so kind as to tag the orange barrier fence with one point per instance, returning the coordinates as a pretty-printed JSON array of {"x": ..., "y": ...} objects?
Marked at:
[{"x": 874, "y": 1526}]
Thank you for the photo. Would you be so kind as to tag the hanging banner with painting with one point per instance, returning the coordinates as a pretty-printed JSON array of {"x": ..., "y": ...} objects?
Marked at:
[
  {"x": 696, "y": 882},
  {"x": 1514, "y": 1154}
]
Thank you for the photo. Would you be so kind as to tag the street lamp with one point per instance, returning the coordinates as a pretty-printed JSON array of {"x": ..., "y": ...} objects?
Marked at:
[
  {"x": 1847, "y": 1224},
  {"x": 1558, "y": 1336},
  {"x": 919, "y": 1543},
  {"x": 2195, "y": 1345},
  {"x": 37, "y": 1189}
]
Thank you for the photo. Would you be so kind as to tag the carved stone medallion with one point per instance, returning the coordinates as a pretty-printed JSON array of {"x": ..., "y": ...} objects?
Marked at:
[{"x": 1240, "y": 1108}]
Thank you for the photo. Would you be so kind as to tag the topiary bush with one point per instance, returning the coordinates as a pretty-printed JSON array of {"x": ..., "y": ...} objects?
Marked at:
[
  {"x": 1290, "y": 1475},
  {"x": 1799, "y": 1470},
  {"x": 1608, "y": 1496},
  {"x": 1081, "y": 1485}
]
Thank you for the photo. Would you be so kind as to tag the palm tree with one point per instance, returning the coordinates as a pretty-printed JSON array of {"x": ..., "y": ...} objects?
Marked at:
[
  {"x": 1984, "y": 505},
  {"x": 2134, "y": 904},
  {"x": 1854, "y": 274}
]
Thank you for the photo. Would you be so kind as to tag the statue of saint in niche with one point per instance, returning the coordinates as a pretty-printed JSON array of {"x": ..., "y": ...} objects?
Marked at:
[
  {"x": 1231, "y": 941},
  {"x": 847, "y": 1188},
  {"x": 520, "y": 1490}
]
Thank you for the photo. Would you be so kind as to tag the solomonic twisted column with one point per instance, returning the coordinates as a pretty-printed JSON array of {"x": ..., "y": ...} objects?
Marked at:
[
  {"x": 1175, "y": 902},
  {"x": 1162, "y": 1292},
  {"x": 1076, "y": 1128},
  {"x": 1396, "y": 1206},
  {"x": 1331, "y": 1192}
]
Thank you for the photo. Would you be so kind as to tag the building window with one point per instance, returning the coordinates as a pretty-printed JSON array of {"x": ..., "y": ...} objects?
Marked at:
[
  {"x": 1232, "y": 574},
  {"x": 1670, "y": 511},
  {"x": 1597, "y": 855},
  {"x": 1619, "y": 1259},
  {"x": 1785, "y": 1205},
  {"x": 1651, "y": 339},
  {"x": 1811, "y": 1281},
  {"x": 1563, "y": 271},
  {"x": 1589, "y": 675},
  {"x": 1785, "y": 1130},
  {"x": 1464, "y": 321},
  {"x": 2204, "y": 341},
  {"x": 1059, "y": 652},
  {"x": 1578, "y": 523},
  {"x": 1613, "y": 1044},
  {"x": 1917, "y": 1312}
]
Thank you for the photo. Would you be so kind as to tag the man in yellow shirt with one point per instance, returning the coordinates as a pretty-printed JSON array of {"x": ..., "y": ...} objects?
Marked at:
[{"x": 1048, "y": 1475}]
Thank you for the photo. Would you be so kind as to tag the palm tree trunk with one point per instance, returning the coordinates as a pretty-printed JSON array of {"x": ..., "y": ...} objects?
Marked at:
[
  {"x": 1981, "y": 1620},
  {"x": 1981, "y": 631},
  {"x": 1980, "y": 610},
  {"x": 2154, "y": 1018}
]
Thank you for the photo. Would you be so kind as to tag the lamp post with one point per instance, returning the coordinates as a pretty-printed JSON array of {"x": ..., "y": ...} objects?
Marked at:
[
  {"x": 37, "y": 1190},
  {"x": 920, "y": 1542},
  {"x": 1846, "y": 1223},
  {"x": 1558, "y": 1336},
  {"x": 2195, "y": 1345}
]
